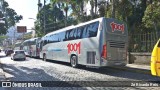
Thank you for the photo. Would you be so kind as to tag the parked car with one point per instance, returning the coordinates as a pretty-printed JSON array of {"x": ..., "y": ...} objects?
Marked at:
[
  {"x": 18, "y": 54},
  {"x": 8, "y": 52}
]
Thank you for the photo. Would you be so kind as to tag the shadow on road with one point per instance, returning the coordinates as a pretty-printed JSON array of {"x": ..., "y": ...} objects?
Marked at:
[
  {"x": 34, "y": 74},
  {"x": 26, "y": 74},
  {"x": 114, "y": 72}
]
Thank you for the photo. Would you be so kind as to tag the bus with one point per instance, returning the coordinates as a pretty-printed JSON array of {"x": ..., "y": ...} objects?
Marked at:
[
  {"x": 155, "y": 59},
  {"x": 18, "y": 46},
  {"x": 26, "y": 47},
  {"x": 30, "y": 47},
  {"x": 100, "y": 42}
]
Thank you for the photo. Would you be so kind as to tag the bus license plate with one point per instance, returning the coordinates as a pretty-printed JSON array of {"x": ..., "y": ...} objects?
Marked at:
[{"x": 118, "y": 63}]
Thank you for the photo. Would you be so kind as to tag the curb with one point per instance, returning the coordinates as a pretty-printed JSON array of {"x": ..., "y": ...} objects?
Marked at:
[
  {"x": 131, "y": 69},
  {"x": 2, "y": 75}
]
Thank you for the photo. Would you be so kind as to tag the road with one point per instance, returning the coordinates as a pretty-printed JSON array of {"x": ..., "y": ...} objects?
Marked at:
[{"x": 38, "y": 70}]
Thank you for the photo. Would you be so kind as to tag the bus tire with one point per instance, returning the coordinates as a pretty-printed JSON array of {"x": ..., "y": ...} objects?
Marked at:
[
  {"x": 73, "y": 61},
  {"x": 44, "y": 57},
  {"x": 31, "y": 55}
]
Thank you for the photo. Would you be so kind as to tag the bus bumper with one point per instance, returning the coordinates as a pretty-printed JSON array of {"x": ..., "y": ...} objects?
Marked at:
[{"x": 114, "y": 63}]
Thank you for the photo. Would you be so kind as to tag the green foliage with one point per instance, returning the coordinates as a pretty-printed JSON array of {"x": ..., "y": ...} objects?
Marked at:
[
  {"x": 55, "y": 18},
  {"x": 141, "y": 16},
  {"x": 2, "y": 37},
  {"x": 10, "y": 19},
  {"x": 152, "y": 15},
  {"x": 130, "y": 11},
  {"x": 27, "y": 36}
]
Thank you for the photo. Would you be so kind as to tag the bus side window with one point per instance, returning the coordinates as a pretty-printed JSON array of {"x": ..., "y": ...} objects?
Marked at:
[
  {"x": 159, "y": 44},
  {"x": 93, "y": 29},
  {"x": 78, "y": 35},
  {"x": 85, "y": 32}
]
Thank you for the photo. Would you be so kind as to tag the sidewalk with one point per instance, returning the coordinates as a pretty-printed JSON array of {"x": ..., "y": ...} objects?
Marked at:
[
  {"x": 2, "y": 75},
  {"x": 144, "y": 69}
]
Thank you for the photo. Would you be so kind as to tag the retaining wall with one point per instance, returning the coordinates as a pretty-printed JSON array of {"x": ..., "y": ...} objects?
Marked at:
[{"x": 139, "y": 58}]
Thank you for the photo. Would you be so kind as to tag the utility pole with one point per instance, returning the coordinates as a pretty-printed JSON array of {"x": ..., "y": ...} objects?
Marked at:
[
  {"x": 44, "y": 16},
  {"x": 14, "y": 36},
  {"x": 39, "y": 5}
]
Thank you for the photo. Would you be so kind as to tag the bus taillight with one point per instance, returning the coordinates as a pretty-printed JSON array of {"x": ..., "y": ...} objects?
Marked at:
[
  {"x": 104, "y": 52},
  {"x": 38, "y": 50}
]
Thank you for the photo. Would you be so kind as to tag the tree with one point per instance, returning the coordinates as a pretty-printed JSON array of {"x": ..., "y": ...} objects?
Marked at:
[
  {"x": 2, "y": 37},
  {"x": 151, "y": 17},
  {"x": 124, "y": 10},
  {"x": 11, "y": 18},
  {"x": 27, "y": 36},
  {"x": 132, "y": 12},
  {"x": 113, "y": 7},
  {"x": 103, "y": 8},
  {"x": 65, "y": 8},
  {"x": 95, "y": 5},
  {"x": 54, "y": 15}
]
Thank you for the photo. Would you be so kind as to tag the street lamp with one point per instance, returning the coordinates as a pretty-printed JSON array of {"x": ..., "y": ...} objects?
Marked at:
[
  {"x": 34, "y": 27},
  {"x": 32, "y": 19}
]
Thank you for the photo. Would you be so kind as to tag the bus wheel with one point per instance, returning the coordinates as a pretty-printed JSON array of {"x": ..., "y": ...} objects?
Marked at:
[
  {"x": 73, "y": 61},
  {"x": 31, "y": 55},
  {"x": 44, "y": 57}
]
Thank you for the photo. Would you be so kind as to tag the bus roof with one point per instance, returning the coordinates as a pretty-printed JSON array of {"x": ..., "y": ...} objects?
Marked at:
[
  {"x": 32, "y": 39},
  {"x": 18, "y": 42},
  {"x": 74, "y": 26}
]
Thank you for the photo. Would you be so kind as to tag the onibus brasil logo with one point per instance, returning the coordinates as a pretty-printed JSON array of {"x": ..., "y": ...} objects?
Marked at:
[{"x": 117, "y": 27}]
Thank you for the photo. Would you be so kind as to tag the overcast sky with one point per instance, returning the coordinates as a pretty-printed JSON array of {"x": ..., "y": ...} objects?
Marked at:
[{"x": 26, "y": 8}]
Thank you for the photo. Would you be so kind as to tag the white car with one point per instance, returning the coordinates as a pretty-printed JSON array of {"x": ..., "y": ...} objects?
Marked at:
[{"x": 18, "y": 54}]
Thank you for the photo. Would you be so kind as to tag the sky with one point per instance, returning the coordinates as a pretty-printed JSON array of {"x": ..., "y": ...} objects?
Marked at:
[{"x": 26, "y": 8}]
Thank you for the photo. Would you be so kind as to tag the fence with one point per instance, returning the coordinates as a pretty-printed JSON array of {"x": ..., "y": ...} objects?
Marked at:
[{"x": 142, "y": 42}]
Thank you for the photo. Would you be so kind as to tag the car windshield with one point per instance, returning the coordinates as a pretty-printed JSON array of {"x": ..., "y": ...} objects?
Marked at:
[
  {"x": 10, "y": 51},
  {"x": 17, "y": 52}
]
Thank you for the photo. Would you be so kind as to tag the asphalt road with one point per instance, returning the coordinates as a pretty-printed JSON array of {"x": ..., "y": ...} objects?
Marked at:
[{"x": 38, "y": 70}]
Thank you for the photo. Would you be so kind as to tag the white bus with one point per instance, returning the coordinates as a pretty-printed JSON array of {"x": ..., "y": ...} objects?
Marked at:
[
  {"x": 100, "y": 42},
  {"x": 26, "y": 47},
  {"x": 30, "y": 47},
  {"x": 18, "y": 46}
]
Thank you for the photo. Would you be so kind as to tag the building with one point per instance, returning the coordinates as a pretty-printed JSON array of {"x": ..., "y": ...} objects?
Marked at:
[{"x": 12, "y": 34}]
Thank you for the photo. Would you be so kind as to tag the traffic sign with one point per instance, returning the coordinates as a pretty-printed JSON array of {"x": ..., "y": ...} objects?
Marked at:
[{"x": 21, "y": 29}]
